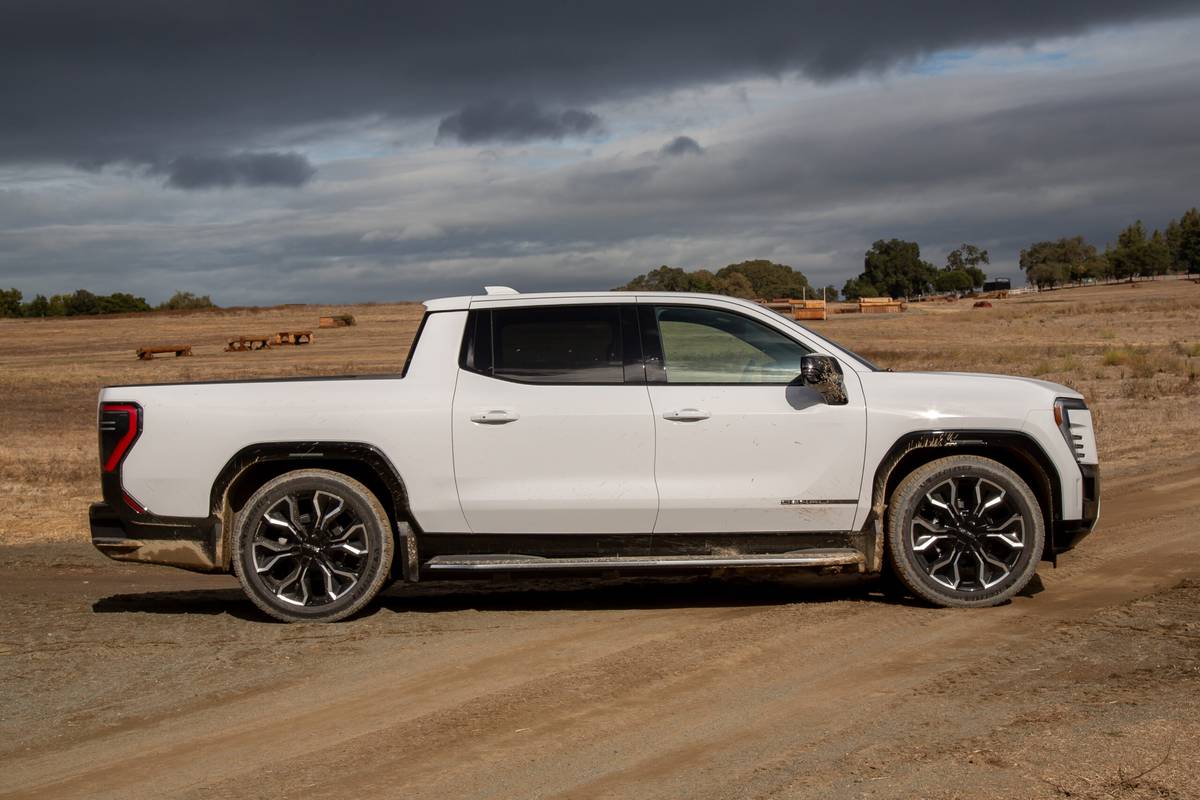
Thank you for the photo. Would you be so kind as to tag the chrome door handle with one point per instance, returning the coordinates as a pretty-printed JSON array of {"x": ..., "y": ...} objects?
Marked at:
[
  {"x": 496, "y": 416},
  {"x": 686, "y": 415}
]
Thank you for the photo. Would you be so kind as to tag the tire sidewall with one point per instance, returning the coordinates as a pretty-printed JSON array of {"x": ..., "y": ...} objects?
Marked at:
[
  {"x": 904, "y": 505},
  {"x": 360, "y": 500}
]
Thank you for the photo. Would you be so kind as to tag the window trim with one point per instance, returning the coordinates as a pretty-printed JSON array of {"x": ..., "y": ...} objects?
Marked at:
[
  {"x": 633, "y": 372},
  {"x": 656, "y": 369}
]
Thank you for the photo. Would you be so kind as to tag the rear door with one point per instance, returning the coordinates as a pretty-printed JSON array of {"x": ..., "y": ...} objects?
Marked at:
[
  {"x": 741, "y": 446},
  {"x": 552, "y": 424}
]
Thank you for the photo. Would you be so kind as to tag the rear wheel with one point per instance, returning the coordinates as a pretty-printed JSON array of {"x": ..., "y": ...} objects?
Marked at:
[
  {"x": 964, "y": 531},
  {"x": 312, "y": 545}
]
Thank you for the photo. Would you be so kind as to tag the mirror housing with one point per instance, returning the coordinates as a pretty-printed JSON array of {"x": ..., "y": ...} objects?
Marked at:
[{"x": 824, "y": 375}]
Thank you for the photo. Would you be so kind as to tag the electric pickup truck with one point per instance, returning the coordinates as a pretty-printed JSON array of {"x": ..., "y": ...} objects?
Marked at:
[{"x": 611, "y": 432}]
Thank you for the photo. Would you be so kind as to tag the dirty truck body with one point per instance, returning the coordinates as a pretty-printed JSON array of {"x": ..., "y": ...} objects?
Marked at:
[{"x": 584, "y": 432}]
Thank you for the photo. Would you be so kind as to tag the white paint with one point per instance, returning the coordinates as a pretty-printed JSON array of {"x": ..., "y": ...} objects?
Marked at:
[{"x": 583, "y": 458}]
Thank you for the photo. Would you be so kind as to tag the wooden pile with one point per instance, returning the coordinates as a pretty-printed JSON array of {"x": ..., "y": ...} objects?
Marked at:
[
  {"x": 243, "y": 343},
  {"x": 808, "y": 309},
  {"x": 147, "y": 353},
  {"x": 293, "y": 337},
  {"x": 879, "y": 305},
  {"x": 336, "y": 321}
]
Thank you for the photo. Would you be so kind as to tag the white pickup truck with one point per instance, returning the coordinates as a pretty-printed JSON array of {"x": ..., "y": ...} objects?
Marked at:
[{"x": 598, "y": 432}]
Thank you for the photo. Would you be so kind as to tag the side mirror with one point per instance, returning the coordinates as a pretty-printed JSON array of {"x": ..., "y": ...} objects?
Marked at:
[{"x": 824, "y": 374}]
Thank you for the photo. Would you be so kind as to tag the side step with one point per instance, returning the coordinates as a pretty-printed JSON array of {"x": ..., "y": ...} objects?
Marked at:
[{"x": 834, "y": 557}]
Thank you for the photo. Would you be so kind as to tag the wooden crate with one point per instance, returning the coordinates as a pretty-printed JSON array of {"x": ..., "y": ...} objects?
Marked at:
[{"x": 178, "y": 350}]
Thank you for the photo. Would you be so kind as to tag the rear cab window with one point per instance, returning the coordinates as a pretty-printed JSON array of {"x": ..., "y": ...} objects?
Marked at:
[{"x": 570, "y": 344}]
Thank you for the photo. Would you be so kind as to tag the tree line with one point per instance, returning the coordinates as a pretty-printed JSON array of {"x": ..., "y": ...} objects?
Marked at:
[
  {"x": 1074, "y": 260},
  {"x": 82, "y": 302},
  {"x": 749, "y": 279}
]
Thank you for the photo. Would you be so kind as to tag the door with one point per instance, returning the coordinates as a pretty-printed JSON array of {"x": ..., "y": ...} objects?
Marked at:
[
  {"x": 549, "y": 436},
  {"x": 741, "y": 447}
]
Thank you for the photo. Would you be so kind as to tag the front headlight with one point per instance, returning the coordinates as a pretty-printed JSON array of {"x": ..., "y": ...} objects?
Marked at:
[{"x": 1062, "y": 418}]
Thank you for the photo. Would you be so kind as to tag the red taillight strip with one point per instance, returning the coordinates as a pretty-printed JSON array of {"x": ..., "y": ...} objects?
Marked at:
[
  {"x": 131, "y": 433},
  {"x": 137, "y": 507}
]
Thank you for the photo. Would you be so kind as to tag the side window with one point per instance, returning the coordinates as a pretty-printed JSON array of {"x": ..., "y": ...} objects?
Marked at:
[
  {"x": 707, "y": 345},
  {"x": 556, "y": 344}
]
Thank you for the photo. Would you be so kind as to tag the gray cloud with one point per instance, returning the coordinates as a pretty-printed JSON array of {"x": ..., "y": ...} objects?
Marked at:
[
  {"x": 681, "y": 146},
  {"x": 518, "y": 121},
  {"x": 241, "y": 169},
  {"x": 146, "y": 81},
  {"x": 1015, "y": 159}
]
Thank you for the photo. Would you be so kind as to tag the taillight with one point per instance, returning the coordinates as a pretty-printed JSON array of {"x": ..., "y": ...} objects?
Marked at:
[{"x": 120, "y": 427}]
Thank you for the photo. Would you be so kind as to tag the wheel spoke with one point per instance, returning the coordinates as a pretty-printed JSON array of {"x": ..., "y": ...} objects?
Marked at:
[
  {"x": 275, "y": 559},
  {"x": 952, "y": 561},
  {"x": 335, "y": 507},
  {"x": 985, "y": 558}
]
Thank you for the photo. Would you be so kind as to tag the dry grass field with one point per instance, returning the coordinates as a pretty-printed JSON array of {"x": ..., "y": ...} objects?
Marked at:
[
  {"x": 137, "y": 682},
  {"x": 1133, "y": 350}
]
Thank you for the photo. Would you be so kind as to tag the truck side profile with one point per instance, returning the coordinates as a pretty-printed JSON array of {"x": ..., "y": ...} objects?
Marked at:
[{"x": 583, "y": 432}]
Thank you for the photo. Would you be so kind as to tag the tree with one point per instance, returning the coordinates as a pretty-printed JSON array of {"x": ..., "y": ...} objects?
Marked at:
[
  {"x": 1070, "y": 259},
  {"x": 1135, "y": 254},
  {"x": 831, "y": 293},
  {"x": 1187, "y": 249},
  {"x": 186, "y": 301},
  {"x": 39, "y": 306},
  {"x": 858, "y": 287},
  {"x": 663, "y": 279},
  {"x": 10, "y": 303},
  {"x": 1158, "y": 255},
  {"x": 953, "y": 280},
  {"x": 770, "y": 279},
  {"x": 122, "y": 303},
  {"x": 895, "y": 268},
  {"x": 967, "y": 258},
  {"x": 82, "y": 302}
]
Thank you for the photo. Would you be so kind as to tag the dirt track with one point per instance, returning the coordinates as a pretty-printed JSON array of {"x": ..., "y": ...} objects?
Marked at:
[{"x": 143, "y": 682}]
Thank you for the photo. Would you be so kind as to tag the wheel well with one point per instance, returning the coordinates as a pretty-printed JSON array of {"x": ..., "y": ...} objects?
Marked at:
[
  {"x": 1015, "y": 458},
  {"x": 253, "y": 477}
]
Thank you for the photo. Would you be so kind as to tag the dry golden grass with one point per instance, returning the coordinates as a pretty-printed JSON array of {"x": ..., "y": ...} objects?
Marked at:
[{"x": 1133, "y": 351}]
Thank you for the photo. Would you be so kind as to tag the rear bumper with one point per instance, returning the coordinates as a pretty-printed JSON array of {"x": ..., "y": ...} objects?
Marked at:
[
  {"x": 1069, "y": 533},
  {"x": 177, "y": 542}
]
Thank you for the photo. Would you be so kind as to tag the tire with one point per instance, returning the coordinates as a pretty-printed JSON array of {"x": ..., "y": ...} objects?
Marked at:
[
  {"x": 312, "y": 546},
  {"x": 964, "y": 532}
]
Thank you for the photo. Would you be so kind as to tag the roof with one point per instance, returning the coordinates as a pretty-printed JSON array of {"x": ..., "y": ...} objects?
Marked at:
[{"x": 462, "y": 302}]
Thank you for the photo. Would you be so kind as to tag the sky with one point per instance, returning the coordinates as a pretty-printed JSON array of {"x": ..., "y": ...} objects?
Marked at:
[{"x": 275, "y": 152}]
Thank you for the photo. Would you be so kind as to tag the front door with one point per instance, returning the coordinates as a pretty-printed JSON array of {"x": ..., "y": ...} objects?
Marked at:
[
  {"x": 548, "y": 435},
  {"x": 741, "y": 447}
]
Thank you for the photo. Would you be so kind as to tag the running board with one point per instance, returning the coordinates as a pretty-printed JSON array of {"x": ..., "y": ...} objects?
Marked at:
[{"x": 836, "y": 557}]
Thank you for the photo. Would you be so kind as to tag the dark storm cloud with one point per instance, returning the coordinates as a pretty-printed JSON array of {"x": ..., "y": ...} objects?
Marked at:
[
  {"x": 145, "y": 81},
  {"x": 242, "y": 169},
  {"x": 515, "y": 122},
  {"x": 682, "y": 146}
]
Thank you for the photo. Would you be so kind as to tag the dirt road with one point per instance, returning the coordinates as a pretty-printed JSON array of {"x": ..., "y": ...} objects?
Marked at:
[{"x": 128, "y": 682}]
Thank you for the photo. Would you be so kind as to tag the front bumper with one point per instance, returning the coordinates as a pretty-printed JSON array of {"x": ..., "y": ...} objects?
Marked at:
[
  {"x": 1069, "y": 533},
  {"x": 176, "y": 542}
]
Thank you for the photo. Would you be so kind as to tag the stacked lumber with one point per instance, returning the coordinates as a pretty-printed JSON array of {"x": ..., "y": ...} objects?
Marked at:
[{"x": 879, "y": 305}]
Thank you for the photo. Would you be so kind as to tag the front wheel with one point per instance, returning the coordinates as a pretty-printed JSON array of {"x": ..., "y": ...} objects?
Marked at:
[
  {"x": 964, "y": 531},
  {"x": 312, "y": 545}
]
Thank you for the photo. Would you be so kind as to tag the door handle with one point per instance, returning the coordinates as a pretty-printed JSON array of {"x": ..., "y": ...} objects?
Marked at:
[
  {"x": 686, "y": 415},
  {"x": 497, "y": 416}
]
